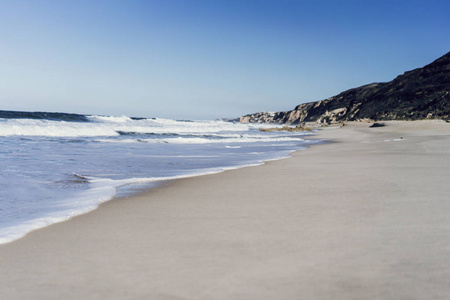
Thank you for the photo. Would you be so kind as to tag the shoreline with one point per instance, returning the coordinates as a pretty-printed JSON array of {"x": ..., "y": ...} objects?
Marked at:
[
  {"x": 122, "y": 188},
  {"x": 362, "y": 217}
]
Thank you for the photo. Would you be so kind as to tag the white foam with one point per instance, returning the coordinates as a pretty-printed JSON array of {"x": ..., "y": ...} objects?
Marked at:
[
  {"x": 108, "y": 119},
  {"x": 101, "y": 190},
  {"x": 36, "y": 190},
  {"x": 110, "y": 126},
  {"x": 68, "y": 208},
  {"x": 199, "y": 140},
  {"x": 27, "y": 127}
]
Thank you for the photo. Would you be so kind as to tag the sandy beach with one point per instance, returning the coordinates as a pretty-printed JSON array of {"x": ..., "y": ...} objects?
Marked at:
[{"x": 365, "y": 216}]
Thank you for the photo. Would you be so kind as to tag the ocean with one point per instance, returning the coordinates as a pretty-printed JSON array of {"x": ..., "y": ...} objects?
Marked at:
[{"x": 55, "y": 166}]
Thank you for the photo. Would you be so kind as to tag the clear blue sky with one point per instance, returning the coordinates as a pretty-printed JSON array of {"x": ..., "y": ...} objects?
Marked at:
[{"x": 207, "y": 59}]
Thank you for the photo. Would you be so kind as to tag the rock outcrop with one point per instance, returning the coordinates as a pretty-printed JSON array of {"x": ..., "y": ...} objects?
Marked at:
[{"x": 423, "y": 93}]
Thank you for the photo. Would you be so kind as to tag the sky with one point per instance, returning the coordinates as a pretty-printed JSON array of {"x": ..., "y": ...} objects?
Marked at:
[{"x": 207, "y": 59}]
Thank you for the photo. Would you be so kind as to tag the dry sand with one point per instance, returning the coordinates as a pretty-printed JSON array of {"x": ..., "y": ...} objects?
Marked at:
[{"x": 364, "y": 217}]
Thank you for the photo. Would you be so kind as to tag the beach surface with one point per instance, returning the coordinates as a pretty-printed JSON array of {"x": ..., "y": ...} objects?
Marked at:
[{"x": 366, "y": 216}]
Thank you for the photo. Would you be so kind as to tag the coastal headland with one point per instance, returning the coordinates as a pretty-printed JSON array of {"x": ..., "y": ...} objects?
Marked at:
[
  {"x": 364, "y": 216},
  {"x": 419, "y": 94}
]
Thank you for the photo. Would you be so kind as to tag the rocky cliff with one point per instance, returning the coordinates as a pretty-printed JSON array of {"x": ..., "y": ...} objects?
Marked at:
[{"x": 423, "y": 93}]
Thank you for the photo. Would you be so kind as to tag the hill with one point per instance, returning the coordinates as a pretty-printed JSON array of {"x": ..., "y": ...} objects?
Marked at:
[{"x": 422, "y": 93}]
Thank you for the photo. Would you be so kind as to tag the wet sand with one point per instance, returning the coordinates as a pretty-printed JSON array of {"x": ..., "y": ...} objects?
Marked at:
[{"x": 366, "y": 216}]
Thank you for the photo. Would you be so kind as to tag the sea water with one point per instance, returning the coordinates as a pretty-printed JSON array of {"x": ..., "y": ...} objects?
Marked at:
[{"x": 54, "y": 166}]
